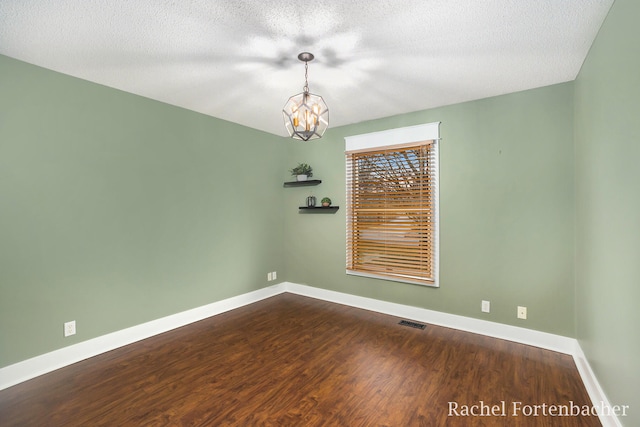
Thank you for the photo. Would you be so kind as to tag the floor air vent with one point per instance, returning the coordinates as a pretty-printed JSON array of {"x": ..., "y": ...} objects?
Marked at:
[{"x": 412, "y": 324}]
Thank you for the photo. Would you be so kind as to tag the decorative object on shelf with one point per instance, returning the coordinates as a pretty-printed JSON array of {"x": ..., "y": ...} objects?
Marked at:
[
  {"x": 306, "y": 116},
  {"x": 326, "y": 202},
  {"x": 302, "y": 172},
  {"x": 311, "y": 201}
]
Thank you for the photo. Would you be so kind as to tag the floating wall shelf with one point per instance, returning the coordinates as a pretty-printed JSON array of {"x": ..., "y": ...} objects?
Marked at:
[
  {"x": 319, "y": 209},
  {"x": 302, "y": 183}
]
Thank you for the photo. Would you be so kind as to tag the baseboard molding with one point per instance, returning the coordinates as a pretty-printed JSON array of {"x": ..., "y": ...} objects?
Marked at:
[
  {"x": 544, "y": 340},
  {"x": 39, "y": 365},
  {"x": 48, "y": 362},
  {"x": 596, "y": 394}
]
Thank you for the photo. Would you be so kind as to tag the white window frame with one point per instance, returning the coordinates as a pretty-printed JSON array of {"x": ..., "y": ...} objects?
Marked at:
[{"x": 389, "y": 138}]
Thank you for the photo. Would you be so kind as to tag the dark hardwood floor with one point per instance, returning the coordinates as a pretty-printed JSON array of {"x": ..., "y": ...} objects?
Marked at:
[{"x": 296, "y": 361}]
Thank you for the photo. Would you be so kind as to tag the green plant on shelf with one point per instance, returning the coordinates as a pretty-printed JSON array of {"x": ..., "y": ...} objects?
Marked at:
[{"x": 302, "y": 169}]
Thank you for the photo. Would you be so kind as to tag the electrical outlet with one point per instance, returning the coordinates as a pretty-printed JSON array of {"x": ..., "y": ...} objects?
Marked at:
[
  {"x": 269, "y": 276},
  {"x": 522, "y": 312},
  {"x": 486, "y": 306},
  {"x": 274, "y": 275},
  {"x": 70, "y": 328}
]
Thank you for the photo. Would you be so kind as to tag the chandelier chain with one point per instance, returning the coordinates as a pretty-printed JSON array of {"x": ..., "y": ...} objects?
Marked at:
[{"x": 305, "y": 88}]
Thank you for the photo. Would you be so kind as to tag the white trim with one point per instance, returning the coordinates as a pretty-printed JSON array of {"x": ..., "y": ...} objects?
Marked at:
[
  {"x": 596, "y": 394},
  {"x": 544, "y": 340},
  {"x": 436, "y": 231},
  {"x": 39, "y": 365},
  {"x": 539, "y": 339},
  {"x": 389, "y": 138},
  {"x": 424, "y": 132}
]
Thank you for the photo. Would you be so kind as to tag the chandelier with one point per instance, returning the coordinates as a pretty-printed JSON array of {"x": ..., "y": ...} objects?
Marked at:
[{"x": 306, "y": 116}]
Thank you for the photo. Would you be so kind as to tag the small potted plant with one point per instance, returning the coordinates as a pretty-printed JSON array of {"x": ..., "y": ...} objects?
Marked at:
[
  {"x": 326, "y": 202},
  {"x": 302, "y": 172}
]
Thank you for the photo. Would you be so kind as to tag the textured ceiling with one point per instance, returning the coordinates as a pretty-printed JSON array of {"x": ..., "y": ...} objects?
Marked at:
[{"x": 237, "y": 60}]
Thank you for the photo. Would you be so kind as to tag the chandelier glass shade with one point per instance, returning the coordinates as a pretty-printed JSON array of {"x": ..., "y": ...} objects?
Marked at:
[{"x": 306, "y": 115}]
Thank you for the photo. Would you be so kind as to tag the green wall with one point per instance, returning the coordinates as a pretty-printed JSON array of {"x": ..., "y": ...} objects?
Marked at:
[
  {"x": 506, "y": 211},
  {"x": 607, "y": 140},
  {"x": 116, "y": 210}
]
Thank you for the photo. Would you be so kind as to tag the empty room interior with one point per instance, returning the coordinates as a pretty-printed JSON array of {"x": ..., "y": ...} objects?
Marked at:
[{"x": 161, "y": 263}]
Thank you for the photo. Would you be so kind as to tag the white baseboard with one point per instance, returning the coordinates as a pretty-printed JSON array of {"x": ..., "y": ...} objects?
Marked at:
[
  {"x": 544, "y": 340},
  {"x": 596, "y": 394},
  {"x": 39, "y": 365}
]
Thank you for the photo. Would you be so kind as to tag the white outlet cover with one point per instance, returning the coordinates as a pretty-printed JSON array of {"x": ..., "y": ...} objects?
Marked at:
[
  {"x": 70, "y": 328},
  {"x": 522, "y": 312},
  {"x": 274, "y": 275},
  {"x": 486, "y": 306}
]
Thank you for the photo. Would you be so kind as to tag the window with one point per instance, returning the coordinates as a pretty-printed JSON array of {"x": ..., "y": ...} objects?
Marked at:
[{"x": 392, "y": 204}]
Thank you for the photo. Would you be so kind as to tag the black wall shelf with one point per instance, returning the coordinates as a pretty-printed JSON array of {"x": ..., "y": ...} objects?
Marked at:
[
  {"x": 319, "y": 209},
  {"x": 302, "y": 183}
]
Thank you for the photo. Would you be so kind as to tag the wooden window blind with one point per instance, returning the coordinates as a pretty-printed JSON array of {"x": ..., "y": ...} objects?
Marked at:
[{"x": 392, "y": 212}]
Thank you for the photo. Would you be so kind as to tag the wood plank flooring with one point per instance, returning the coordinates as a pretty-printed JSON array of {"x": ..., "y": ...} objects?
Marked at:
[{"x": 296, "y": 361}]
